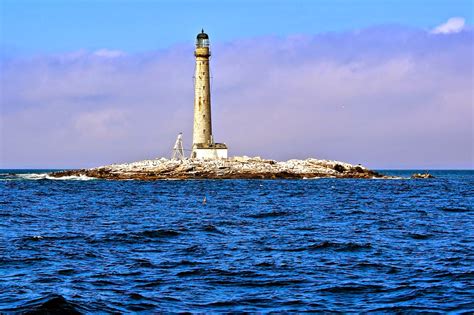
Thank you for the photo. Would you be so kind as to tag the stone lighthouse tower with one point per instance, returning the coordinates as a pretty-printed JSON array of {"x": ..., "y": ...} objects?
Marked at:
[{"x": 204, "y": 146}]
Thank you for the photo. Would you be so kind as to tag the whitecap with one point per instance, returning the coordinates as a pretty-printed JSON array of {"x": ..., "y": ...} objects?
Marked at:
[
  {"x": 72, "y": 177},
  {"x": 36, "y": 176},
  {"x": 32, "y": 176}
]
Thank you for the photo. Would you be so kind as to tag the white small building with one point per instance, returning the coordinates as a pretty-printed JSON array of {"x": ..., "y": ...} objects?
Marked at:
[{"x": 213, "y": 151}]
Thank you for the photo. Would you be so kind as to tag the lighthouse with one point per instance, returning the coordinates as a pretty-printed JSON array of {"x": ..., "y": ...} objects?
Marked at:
[{"x": 204, "y": 146}]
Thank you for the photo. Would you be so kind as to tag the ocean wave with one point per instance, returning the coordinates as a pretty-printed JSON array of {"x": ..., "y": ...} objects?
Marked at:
[
  {"x": 211, "y": 229},
  {"x": 455, "y": 209},
  {"x": 142, "y": 236},
  {"x": 326, "y": 245},
  {"x": 110, "y": 246},
  {"x": 270, "y": 214},
  {"x": 354, "y": 288},
  {"x": 53, "y": 304},
  {"x": 50, "y": 238},
  {"x": 36, "y": 176},
  {"x": 57, "y": 304}
]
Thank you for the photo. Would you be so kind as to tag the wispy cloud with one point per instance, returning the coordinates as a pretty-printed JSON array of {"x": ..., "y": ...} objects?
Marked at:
[
  {"x": 108, "y": 53},
  {"x": 452, "y": 25},
  {"x": 385, "y": 97},
  {"x": 102, "y": 124}
]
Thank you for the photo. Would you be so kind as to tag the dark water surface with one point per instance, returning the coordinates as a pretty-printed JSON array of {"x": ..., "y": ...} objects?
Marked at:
[{"x": 256, "y": 245}]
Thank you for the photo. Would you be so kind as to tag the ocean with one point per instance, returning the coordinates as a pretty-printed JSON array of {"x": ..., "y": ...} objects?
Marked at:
[{"x": 333, "y": 245}]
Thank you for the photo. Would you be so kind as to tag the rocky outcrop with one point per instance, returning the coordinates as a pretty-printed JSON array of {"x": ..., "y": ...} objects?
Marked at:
[
  {"x": 232, "y": 168},
  {"x": 422, "y": 176}
]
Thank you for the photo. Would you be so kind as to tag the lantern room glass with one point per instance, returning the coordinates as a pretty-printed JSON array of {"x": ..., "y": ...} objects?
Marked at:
[{"x": 202, "y": 42}]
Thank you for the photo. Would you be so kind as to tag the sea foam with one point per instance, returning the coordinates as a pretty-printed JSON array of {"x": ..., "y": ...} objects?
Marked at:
[{"x": 35, "y": 176}]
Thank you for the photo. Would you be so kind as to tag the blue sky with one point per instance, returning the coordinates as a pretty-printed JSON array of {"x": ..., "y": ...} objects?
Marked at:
[
  {"x": 387, "y": 84},
  {"x": 46, "y": 26}
]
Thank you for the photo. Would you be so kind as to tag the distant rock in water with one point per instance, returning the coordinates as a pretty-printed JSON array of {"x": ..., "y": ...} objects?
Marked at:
[
  {"x": 420, "y": 175},
  {"x": 232, "y": 168}
]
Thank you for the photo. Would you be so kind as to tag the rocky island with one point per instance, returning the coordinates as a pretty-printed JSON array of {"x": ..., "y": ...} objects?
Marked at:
[
  {"x": 209, "y": 159},
  {"x": 230, "y": 168}
]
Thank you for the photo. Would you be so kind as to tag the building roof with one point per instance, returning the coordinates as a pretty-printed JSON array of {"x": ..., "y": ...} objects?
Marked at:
[
  {"x": 202, "y": 35},
  {"x": 209, "y": 146}
]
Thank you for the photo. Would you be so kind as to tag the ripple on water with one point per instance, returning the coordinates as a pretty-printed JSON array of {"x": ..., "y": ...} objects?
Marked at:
[
  {"x": 256, "y": 246},
  {"x": 355, "y": 288},
  {"x": 328, "y": 245},
  {"x": 447, "y": 209},
  {"x": 211, "y": 229},
  {"x": 51, "y": 304},
  {"x": 132, "y": 237},
  {"x": 271, "y": 214}
]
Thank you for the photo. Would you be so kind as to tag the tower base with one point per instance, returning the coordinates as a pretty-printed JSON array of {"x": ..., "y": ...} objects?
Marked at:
[{"x": 209, "y": 151}]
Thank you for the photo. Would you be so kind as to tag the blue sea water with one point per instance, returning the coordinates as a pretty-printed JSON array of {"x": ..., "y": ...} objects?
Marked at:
[{"x": 100, "y": 246}]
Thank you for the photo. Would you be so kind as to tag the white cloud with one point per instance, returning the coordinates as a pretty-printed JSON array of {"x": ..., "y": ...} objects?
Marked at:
[
  {"x": 103, "y": 123},
  {"x": 453, "y": 25},
  {"x": 382, "y": 97},
  {"x": 107, "y": 53}
]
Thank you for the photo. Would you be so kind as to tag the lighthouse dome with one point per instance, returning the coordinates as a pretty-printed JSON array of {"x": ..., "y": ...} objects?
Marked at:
[
  {"x": 202, "y": 40},
  {"x": 202, "y": 35}
]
